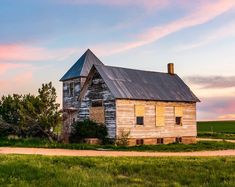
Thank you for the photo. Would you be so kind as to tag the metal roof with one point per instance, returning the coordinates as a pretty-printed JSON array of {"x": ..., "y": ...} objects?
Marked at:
[
  {"x": 145, "y": 85},
  {"x": 82, "y": 67}
]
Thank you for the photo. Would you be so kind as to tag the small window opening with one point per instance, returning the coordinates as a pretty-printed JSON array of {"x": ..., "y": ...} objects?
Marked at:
[
  {"x": 96, "y": 103},
  {"x": 178, "y": 120},
  {"x": 140, "y": 120},
  {"x": 160, "y": 141},
  {"x": 139, "y": 142},
  {"x": 178, "y": 139},
  {"x": 71, "y": 89}
]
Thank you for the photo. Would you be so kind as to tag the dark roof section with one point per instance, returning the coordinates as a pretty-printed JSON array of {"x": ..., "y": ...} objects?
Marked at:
[
  {"x": 145, "y": 85},
  {"x": 82, "y": 67}
]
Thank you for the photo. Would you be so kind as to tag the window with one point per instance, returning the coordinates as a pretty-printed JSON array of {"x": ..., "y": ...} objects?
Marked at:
[
  {"x": 178, "y": 115},
  {"x": 97, "y": 103},
  {"x": 139, "y": 114},
  {"x": 160, "y": 141},
  {"x": 139, "y": 141},
  {"x": 178, "y": 120},
  {"x": 160, "y": 116},
  {"x": 71, "y": 89},
  {"x": 178, "y": 139},
  {"x": 139, "y": 120}
]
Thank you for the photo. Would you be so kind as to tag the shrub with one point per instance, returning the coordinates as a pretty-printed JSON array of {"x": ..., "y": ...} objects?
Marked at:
[
  {"x": 123, "y": 138},
  {"x": 87, "y": 129}
]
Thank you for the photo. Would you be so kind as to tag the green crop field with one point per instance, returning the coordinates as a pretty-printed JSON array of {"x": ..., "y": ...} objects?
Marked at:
[
  {"x": 216, "y": 129},
  {"x": 29, "y": 170}
]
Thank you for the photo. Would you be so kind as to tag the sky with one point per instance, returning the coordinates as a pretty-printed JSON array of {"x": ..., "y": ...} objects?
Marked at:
[{"x": 41, "y": 39}]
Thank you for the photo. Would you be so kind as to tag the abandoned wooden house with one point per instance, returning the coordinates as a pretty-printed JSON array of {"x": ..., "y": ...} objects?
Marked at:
[{"x": 151, "y": 107}]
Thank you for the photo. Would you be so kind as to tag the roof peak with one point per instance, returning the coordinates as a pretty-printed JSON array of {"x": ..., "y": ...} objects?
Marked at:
[{"x": 82, "y": 67}]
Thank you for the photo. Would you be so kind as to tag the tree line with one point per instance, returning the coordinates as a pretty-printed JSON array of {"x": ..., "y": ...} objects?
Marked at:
[{"x": 29, "y": 115}]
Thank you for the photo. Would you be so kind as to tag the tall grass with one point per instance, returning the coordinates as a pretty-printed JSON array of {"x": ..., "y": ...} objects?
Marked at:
[
  {"x": 200, "y": 146},
  {"x": 103, "y": 171},
  {"x": 216, "y": 129}
]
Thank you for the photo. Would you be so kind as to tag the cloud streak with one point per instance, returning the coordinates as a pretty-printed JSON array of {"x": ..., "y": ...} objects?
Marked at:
[
  {"x": 207, "y": 82},
  {"x": 217, "y": 108},
  {"x": 147, "y": 4},
  {"x": 202, "y": 14},
  {"x": 19, "y": 53}
]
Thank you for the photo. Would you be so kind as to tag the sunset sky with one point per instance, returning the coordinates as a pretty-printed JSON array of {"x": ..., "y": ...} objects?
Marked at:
[{"x": 41, "y": 39}]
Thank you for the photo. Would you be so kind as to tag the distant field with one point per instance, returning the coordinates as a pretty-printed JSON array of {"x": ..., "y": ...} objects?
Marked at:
[
  {"x": 29, "y": 170},
  {"x": 216, "y": 129}
]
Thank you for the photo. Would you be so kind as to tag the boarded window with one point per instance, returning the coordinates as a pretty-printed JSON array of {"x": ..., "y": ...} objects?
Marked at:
[
  {"x": 139, "y": 114},
  {"x": 97, "y": 114},
  {"x": 139, "y": 110},
  {"x": 160, "y": 116},
  {"x": 179, "y": 111},
  {"x": 178, "y": 115}
]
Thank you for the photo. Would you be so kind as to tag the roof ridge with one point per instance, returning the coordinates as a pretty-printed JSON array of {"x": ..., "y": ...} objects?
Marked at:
[{"x": 133, "y": 69}]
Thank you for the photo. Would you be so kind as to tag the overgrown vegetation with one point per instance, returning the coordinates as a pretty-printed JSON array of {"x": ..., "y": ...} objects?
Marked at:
[
  {"x": 25, "y": 170},
  {"x": 200, "y": 146},
  {"x": 216, "y": 129},
  {"x": 87, "y": 129},
  {"x": 123, "y": 138},
  {"x": 30, "y": 116}
]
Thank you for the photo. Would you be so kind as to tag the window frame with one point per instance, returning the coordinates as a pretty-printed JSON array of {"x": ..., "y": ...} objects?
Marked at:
[
  {"x": 71, "y": 91},
  {"x": 141, "y": 120},
  {"x": 180, "y": 120}
]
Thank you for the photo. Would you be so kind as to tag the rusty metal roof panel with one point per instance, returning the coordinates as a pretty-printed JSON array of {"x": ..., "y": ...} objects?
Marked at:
[
  {"x": 145, "y": 85},
  {"x": 82, "y": 67}
]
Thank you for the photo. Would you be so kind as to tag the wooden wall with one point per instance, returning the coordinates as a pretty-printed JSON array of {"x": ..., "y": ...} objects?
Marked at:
[
  {"x": 68, "y": 100},
  {"x": 126, "y": 120},
  {"x": 98, "y": 90}
]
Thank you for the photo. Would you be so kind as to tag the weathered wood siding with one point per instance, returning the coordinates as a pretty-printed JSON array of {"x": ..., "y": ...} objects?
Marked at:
[
  {"x": 98, "y": 90},
  {"x": 68, "y": 99},
  {"x": 126, "y": 120}
]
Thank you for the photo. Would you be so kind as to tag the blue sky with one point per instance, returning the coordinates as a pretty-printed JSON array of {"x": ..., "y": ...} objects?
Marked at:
[{"x": 41, "y": 39}]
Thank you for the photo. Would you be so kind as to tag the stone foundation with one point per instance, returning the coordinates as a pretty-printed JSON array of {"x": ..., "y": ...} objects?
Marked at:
[{"x": 167, "y": 140}]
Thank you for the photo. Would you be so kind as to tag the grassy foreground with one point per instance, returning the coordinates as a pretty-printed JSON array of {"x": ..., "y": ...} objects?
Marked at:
[
  {"x": 216, "y": 129},
  {"x": 200, "y": 146},
  {"x": 25, "y": 170}
]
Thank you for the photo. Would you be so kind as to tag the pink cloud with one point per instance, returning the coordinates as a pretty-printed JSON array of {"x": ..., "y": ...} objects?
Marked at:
[
  {"x": 227, "y": 117},
  {"x": 4, "y": 67},
  {"x": 16, "y": 52},
  {"x": 216, "y": 108},
  {"x": 202, "y": 14}
]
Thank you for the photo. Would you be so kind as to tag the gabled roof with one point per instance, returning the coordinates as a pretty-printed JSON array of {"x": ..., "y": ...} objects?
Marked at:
[
  {"x": 82, "y": 67},
  {"x": 145, "y": 85}
]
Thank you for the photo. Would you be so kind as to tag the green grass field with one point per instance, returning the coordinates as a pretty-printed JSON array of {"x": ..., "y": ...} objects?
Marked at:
[
  {"x": 25, "y": 170},
  {"x": 200, "y": 146},
  {"x": 216, "y": 129}
]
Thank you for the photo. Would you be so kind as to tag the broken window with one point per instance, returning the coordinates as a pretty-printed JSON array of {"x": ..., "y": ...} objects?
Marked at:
[
  {"x": 139, "y": 114},
  {"x": 97, "y": 103},
  {"x": 178, "y": 115},
  {"x": 139, "y": 141},
  {"x": 178, "y": 139},
  {"x": 178, "y": 120},
  {"x": 160, "y": 140}
]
